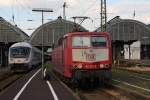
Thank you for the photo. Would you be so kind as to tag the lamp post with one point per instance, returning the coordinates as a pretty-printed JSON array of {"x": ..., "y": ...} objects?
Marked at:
[
  {"x": 145, "y": 48},
  {"x": 42, "y": 10}
]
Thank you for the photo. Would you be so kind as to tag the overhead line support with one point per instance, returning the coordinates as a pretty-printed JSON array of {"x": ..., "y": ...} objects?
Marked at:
[{"x": 42, "y": 10}]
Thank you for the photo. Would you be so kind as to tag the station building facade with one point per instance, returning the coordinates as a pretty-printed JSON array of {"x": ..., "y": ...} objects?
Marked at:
[
  {"x": 52, "y": 32},
  {"x": 130, "y": 38}
]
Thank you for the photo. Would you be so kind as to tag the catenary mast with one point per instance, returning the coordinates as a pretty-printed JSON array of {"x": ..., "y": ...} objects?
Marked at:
[{"x": 103, "y": 15}]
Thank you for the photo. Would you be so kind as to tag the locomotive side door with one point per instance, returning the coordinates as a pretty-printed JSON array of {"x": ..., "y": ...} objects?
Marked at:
[
  {"x": 66, "y": 57},
  {"x": 64, "y": 53}
]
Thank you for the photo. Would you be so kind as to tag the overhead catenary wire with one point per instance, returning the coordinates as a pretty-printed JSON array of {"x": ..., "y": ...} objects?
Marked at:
[
  {"x": 12, "y": 11},
  {"x": 28, "y": 8},
  {"x": 89, "y": 7},
  {"x": 84, "y": 11},
  {"x": 18, "y": 6},
  {"x": 15, "y": 8}
]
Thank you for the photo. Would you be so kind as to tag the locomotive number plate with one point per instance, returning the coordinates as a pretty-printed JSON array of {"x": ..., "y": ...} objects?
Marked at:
[{"x": 91, "y": 57}]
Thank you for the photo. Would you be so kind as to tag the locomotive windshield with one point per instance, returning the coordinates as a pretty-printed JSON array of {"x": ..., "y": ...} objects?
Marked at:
[
  {"x": 20, "y": 52},
  {"x": 85, "y": 41},
  {"x": 98, "y": 41},
  {"x": 81, "y": 41}
]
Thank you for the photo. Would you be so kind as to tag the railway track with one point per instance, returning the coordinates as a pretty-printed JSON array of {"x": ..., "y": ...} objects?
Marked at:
[
  {"x": 90, "y": 94},
  {"x": 134, "y": 73},
  {"x": 136, "y": 83},
  {"x": 5, "y": 75},
  {"x": 111, "y": 92},
  {"x": 125, "y": 86},
  {"x": 95, "y": 95},
  {"x": 8, "y": 78}
]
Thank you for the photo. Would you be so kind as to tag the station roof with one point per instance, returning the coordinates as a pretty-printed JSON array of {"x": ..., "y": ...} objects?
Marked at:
[
  {"x": 11, "y": 33},
  {"x": 128, "y": 30},
  {"x": 148, "y": 26},
  {"x": 52, "y": 31},
  {"x": 21, "y": 44}
]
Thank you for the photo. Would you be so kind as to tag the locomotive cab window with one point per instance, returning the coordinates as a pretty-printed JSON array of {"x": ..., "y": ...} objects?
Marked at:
[
  {"x": 19, "y": 52},
  {"x": 85, "y": 41},
  {"x": 80, "y": 41},
  {"x": 98, "y": 41}
]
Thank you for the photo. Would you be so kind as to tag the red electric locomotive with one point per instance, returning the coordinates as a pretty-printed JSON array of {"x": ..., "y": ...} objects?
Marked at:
[{"x": 84, "y": 55}]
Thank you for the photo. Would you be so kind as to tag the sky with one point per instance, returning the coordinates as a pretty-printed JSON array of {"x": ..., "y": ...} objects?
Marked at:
[{"x": 22, "y": 11}]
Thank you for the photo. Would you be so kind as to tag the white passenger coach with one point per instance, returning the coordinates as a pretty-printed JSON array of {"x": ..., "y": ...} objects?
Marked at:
[{"x": 23, "y": 56}]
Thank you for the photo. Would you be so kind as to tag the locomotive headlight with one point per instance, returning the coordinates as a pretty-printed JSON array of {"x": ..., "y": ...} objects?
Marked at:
[
  {"x": 101, "y": 65},
  {"x": 80, "y": 66},
  {"x": 26, "y": 59},
  {"x": 11, "y": 59},
  {"x": 104, "y": 65}
]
